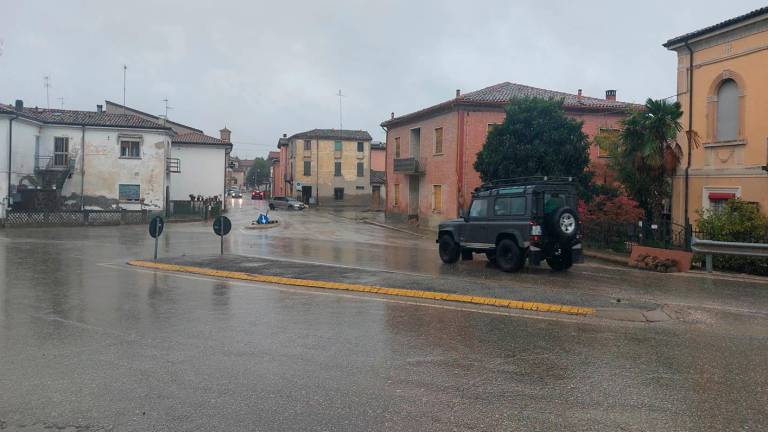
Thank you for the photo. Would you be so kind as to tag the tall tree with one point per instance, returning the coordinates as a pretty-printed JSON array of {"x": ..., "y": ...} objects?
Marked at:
[
  {"x": 258, "y": 173},
  {"x": 536, "y": 138},
  {"x": 649, "y": 154}
]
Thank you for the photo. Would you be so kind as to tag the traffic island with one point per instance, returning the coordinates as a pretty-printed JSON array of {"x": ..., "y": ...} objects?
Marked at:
[{"x": 484, "y": 293}]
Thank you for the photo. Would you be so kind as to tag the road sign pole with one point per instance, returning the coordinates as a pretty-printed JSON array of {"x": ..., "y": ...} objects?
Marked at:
[
  {"x": 221, "y": 236},
  {"x": 156, "y": 248}
]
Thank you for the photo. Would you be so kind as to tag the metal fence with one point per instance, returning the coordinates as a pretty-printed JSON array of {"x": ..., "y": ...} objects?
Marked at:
[
  {"x": 621, "y": 237},
  {"x": 187, "y": 209},
  {"x": 31, "y": 218}
]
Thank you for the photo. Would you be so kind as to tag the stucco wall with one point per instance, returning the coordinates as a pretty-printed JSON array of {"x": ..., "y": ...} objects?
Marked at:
[
  {"x": 357, "y": 190},
  {"x": 741, "y": 56},
  {"x": 378, "y": 159},
  {"x": 23, "y": 155},
  {"x": 202, "y": 171}
]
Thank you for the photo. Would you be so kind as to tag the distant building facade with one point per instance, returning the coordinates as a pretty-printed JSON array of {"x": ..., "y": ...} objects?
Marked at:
[
  {"x": 326, "y": 167},
  {"x": 378, "y": 174},
  {"x": 430, "y": 153},
  {"x": 723, "y": 89}
]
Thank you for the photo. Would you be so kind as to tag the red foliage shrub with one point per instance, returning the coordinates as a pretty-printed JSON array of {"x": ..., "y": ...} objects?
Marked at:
[{"x": 607, "y": 209}]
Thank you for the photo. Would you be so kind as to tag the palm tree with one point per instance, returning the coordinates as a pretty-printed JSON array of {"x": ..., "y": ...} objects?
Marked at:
[{"x": 649, "y": 154}]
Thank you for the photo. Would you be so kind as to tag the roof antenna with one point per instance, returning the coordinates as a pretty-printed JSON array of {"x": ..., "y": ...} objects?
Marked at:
[
  {"x": 341, "y": 134},
  {"x": 125, "y": 72},
  {"x": 61, "y": 99},
  {"x": 168, "y": 107},
  {"x": 47, "y": 86}
]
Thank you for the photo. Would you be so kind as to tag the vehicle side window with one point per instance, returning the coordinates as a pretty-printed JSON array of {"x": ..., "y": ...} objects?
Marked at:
[
  {"x": 509, "y": 206},
  {"x": 479, "y": 209},
  {"x": 553, "y": 201}
]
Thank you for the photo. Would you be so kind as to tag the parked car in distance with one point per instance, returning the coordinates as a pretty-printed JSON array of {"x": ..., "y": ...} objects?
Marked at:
[
  {"x": 285, "y": 203},
  {"x": 531, "y": 218},
  {"x": 257, "y": 195},
  {"x": 234, "y": 192}
]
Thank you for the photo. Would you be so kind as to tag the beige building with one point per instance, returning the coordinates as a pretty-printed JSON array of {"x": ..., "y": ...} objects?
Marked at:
[
  {"x": 722, "y": 85},
  {"x": 328, "y": 167}
]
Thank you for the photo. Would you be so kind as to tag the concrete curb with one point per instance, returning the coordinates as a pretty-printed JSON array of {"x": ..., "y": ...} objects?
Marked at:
[
  {"x": 430, "y": 295},
  {"x": 607, "y": 257},
  {"x": 381, "y": 225}
]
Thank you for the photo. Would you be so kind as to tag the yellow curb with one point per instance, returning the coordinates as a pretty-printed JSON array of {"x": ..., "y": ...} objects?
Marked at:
[{"x": 400, "y": 292}]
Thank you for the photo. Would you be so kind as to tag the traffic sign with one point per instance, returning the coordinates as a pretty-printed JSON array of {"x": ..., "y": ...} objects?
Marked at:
[
  {"x": 156, "y": 226},
  {"x": 222, "y": 225}
]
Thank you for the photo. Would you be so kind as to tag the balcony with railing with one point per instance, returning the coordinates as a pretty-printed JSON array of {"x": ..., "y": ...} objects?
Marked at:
[{"x": 410, "y": 166}]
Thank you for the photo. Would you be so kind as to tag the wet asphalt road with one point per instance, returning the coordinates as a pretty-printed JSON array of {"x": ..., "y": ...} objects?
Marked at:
[{"x": 87, "y": 343}]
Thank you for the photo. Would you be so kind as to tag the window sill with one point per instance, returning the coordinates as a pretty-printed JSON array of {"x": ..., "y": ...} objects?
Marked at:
[
  {"x": 729, "y": 143},
  {"x": 129, "y": 157},
  {"x": 438, "y": 154}
]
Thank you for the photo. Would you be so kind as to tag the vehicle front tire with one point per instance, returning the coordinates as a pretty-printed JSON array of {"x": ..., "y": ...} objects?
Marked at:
[
  {"x": 509, "y": 257},
  {"x": 562, "y": 261},
  {"x": 448, "y": 249}
]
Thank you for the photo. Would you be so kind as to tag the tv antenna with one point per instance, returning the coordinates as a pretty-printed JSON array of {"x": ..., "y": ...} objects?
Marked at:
[
  {"x": 167, "y": 107},
  {"x": 125, "y": 72},
  {"x": 47, "y": 85},
  {"x": 61, "y": 100},
  {"x": 340, "y": 123}
]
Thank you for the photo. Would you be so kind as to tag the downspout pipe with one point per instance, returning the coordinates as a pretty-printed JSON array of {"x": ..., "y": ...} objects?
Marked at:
[
  {"x": 10, "y": 164},
  {"x": 386, "y": 165},
  {"x": 689, "y": 133},
  {"x": 82, "y": 171}
]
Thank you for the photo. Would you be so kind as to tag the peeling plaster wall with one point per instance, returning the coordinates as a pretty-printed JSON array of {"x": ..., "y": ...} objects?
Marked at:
[
  {"x": 202, "y": 171},
  {"x": 105, "y": 170}
]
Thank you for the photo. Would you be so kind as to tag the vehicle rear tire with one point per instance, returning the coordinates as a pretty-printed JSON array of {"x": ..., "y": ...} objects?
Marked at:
[
  {"x": 271, "y": 206},
  {"x": 448, "y": 249},
  {"x": 561, "y": 260},
  {"x": 509, "y": 257}
]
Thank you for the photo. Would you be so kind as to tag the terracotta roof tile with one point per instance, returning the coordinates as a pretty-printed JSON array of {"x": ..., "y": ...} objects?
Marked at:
[
  {"x": 736, "y": 20},
  {"x": 346, "y": 134},
  {"x": 197, "y": 138},
  {"x": 500, "y": 94},
  {"x": 89, "y": 118}
]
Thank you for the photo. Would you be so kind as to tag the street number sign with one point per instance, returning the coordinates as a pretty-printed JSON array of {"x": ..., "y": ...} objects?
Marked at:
[
  {"x": 222, "y": 225},
  {"x": 156, "y": 226}
]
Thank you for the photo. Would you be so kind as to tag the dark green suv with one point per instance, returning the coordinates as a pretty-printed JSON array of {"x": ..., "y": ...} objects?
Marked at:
[{"x": 532, "y": 218}]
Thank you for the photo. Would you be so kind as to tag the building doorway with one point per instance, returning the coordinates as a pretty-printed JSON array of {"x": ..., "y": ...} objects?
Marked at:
[
  {"x": 376, "y": 196},
  {"x": 413, "y": 197},
  {"x": 306, "y": 194}
]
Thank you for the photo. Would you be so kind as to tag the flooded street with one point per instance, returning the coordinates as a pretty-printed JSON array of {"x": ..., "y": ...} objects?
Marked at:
[{"x": 88, "y": 343}]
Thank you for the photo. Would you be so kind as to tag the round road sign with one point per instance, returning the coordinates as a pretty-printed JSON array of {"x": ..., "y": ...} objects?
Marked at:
[
  {"x": 156, "y": 226},
  {"x": 222, "y": 225}
]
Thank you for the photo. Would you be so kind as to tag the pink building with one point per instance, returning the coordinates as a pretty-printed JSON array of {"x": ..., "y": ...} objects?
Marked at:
[
  {"x": 430, "y": 153},
  {"x": 280, "y": 169}
]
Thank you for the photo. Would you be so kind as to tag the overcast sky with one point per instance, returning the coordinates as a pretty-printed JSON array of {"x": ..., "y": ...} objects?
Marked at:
[{"x": 263, "y": 68}]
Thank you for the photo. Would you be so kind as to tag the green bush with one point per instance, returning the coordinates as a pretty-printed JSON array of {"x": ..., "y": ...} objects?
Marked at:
[{"x": 737, "y": 221}]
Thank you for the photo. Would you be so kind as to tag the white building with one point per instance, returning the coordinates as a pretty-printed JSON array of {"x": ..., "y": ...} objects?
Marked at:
[
  {"x": 94, "y": 159},
  {"x": 198, "y": 161}
]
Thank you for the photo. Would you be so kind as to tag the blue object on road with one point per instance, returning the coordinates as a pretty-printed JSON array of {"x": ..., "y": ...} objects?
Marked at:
[{"x": 262, "y": 219}]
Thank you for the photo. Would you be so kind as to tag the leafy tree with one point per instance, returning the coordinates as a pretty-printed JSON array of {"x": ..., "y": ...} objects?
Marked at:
[
  {"x": 258, "y": 173},
  {"x": 649, "y": 154},
  {"x": 536, "y": 138}
]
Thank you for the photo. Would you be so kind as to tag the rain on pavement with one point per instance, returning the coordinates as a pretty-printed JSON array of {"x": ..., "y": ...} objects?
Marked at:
[{"x": 88, "y": 343}]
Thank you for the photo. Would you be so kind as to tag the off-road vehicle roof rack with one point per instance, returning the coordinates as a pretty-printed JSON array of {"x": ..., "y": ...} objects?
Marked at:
[{"x": 517, "y": 181}]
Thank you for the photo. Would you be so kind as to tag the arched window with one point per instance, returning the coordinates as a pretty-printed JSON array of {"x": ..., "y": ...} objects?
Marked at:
[{"x": 728, "y": 111}]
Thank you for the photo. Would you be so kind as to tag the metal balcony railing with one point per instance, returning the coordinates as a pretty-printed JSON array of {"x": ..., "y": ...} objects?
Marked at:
[
  {"x": 173, "y": 165},
  {"x": 56, "y": 162},
  {"x": 411, "y": 166}
]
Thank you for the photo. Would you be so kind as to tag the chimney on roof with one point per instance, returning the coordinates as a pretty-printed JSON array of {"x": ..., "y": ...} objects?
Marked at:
[
  {"x": 19, "y": 106},
  {"x": 225, "y": 134},
  {"x": 579, "y": 94},
  {"x": 610, "y": 95},
  {"x": 285, "y": 135},
  {"x": 392, "y": 115},
  {"x": 458, "y": 92},
  {"x": 99, "y": 108}
]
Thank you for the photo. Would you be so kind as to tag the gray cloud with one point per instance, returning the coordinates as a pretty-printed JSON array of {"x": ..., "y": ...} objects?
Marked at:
[{"x": 263, "y": 67}]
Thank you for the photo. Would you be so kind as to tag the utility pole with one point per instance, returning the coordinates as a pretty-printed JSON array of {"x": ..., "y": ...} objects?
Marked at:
[
  {"x": 166, "y": 107},
  {"x": 47, "y": 85},
  {"x": 125, "y": 72}
]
